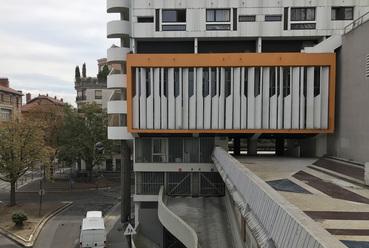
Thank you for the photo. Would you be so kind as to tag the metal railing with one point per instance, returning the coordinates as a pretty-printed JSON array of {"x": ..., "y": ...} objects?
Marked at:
[{"x": 361, "y": 20}]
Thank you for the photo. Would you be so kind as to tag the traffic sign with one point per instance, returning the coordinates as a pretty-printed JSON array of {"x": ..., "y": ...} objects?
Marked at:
[
  {"x": 130, "y": 230},
  {"x": 71, "y": 181},
  {"x": 41, "y": 192}
]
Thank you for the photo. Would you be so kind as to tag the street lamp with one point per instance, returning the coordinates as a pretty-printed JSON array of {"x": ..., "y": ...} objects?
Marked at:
[{"x": 99, "y": 146}]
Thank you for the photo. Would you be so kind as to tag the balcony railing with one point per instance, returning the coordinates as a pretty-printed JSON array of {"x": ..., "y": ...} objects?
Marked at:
[
  {"x": 90, "y": 83},
  {"x": 80, "y": 98}
]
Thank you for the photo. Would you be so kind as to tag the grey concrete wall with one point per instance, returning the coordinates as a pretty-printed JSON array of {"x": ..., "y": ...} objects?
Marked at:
[{"x": 351, "y": 136}]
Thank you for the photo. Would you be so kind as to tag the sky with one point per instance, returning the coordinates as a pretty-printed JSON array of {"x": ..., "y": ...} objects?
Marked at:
[{"x": 42, "y": 42}]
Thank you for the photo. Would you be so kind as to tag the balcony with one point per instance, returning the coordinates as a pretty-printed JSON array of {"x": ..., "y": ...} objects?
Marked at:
[
  {"x": 117, "y": 54},
  {"x": 117, "y": 6},
  {"x": 90, "y": 83},
  {"x": 118, "y": 29},
  {"x": 116, "y": 81},
  {"x": 117, "y": 107},
  {"x": 80, "y": 98},
  {"x": 119, "y": 133}
]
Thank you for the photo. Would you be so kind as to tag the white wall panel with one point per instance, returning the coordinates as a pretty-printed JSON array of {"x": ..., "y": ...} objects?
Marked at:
[
  {"x": 266, "y": 97},
  {"x": 280, "y": 99},
  {"x": 192, "y": 106},
  {"x": 221, "y": 98},
  {"x": 236, "y": 98},
  {"x": 302, "y": 99},
  {"x": 207, "y": 105},
  {"x": 171, "y": 102},
  {"x": 325, "y": 96},
  {"x": 143, "y": 111},
  {"x": 200, "y": 99},
  {"x": 135, "y": 105},
  {"x": 215, "y": 104},
  {"x": 185, "y": 98},
  {"x": 251, "y": 99},
  {"x": 295, "y": 85},
  {"x": 310, "y": 98},
  {"x": 243, "y": 98},
  {"x": 164, "y": 103},
  {"x": 178, "y": 100},
  {"x": 150, "y": 102},
  {"x": 157, "y": 100}
]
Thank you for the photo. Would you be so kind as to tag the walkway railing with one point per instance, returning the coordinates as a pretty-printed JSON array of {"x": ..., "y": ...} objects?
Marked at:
[
  {"x": 361, "y": 20},
  {"x": 274, "y": 219}
]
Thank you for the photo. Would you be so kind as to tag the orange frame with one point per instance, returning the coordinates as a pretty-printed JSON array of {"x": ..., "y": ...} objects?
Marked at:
[{"x": 231, "y": 60}]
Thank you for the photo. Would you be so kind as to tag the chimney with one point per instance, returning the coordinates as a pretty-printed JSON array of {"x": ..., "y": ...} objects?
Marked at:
[
  {"x": 4, "y": 82},
  {"x": 55, "y": 98},
  {"x": 61, "y": 99},
  {"x": 28, "y": 97}
]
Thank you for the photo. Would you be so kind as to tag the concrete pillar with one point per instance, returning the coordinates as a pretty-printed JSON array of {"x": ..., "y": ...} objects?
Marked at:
[
  {"x": 366, "y": 175},
  {"x": 279, "y": 147},
  {"x": 236, "y": 146},
  {"x": 252, "y": 147}
]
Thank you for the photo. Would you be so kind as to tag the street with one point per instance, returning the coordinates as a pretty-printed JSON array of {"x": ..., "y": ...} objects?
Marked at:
[{"x": 63, "y": 229}]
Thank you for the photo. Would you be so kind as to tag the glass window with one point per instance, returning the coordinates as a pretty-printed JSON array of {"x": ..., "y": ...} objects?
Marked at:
[
  {"x": 145, "y": 19},
  {"x": 159, "y": 154},
  {"x": 218, "y": 27},
  {"x": 247, "y": 18},
  {"x": 218, "y": 15},
  {"x": 98, "y": 94},
  {"x": 5, "y": 114},
  {"x": 174, "y": 28},
  {"x": 273, "y": 18},
  {"x": 342, "y": 13},
  {"x": 174, "y": 15},
  {"x": 296, "y": 26},
  {"x": 302, "y": 14}
]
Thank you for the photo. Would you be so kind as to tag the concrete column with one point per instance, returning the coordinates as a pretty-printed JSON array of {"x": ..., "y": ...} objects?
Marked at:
[
  {"x": 252, "y": 147},
  {"x": 366, "y": 175},
  {"x": 236, "y": 146},
  {"x": 279, "y": 147}
]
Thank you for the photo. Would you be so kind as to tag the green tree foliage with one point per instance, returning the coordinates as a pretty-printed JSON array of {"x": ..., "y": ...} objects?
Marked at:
[
  {"x": 104, "y": 73},
  {"x": 84, "y": 70},
  {"x": 22, "y": 146},
  {"x": 81, "y": 132},
  {"x": 19, "y": 217},
  {"x": 51, "y": 116},
  {"x": 77, "y": 74}
]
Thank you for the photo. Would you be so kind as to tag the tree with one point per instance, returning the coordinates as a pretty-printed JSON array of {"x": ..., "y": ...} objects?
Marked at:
[
  {"x": 103, "y": 74},
  {"x": 51, "y": 115},
  {"x": 22, "y": 146},
  {"x": 77, "y": 74},
  {"x": 84, "y": 70},
  {"x": 81, "y": 132}
]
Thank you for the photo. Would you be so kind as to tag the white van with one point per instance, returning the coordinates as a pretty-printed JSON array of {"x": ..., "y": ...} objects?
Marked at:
[{"x": 93, "y": 233}]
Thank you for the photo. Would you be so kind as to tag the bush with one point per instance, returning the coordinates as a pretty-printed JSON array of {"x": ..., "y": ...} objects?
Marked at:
[{"x": 19, "y": 217}]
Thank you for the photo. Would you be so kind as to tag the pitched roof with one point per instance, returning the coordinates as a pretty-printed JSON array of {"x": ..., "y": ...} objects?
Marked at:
[
  {"x": 33, "y": 102},
  {"x": 10, "y": 90}
]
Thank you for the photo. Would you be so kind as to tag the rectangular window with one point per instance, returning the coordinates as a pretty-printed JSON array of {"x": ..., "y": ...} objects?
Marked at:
[
  {"x": 5, "y": 114},
  {"x": 175, "y": 20},
  {"x": 98, "y": 94},
  {"x": 160, "y": 149},
  {"x": 247, "y": 18},
  {"x": 296, "y": 26},
  {"x": 342, "y": 13},
  {"x": 10, "y": 98},
  {"x": 145, "y": 19},
  {"x": 273, "y": 18},
  {"x": 218, "y": 15},
  {"x": 302, "y": 14},
  {"x": 1, "y": 97},
  {"x": 221, "y": 16},
  {"x": 285, "y": 19}
]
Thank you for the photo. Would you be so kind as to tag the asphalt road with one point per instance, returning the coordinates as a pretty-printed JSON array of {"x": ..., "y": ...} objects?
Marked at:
[{"x": 63, "y": 229}]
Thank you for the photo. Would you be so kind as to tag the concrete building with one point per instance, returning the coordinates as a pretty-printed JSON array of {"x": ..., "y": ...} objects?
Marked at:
[
  {"x": 10, "y": 100},
  {"x": 194, "y": 74}
]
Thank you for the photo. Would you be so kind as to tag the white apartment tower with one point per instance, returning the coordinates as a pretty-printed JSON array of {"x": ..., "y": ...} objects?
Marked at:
[{"x": 195, "y": 73}]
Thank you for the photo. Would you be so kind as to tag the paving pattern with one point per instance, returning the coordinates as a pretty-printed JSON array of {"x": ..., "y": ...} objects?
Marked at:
[{"x": 338, "y": 199}]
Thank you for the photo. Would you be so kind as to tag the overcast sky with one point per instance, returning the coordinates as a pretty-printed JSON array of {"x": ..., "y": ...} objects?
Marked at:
[{"x": 42, "y": 41}]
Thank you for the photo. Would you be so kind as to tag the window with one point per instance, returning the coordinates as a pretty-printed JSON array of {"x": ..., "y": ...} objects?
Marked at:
[
  {"x": 1, "y": 97},
  {"x": 247, "y": 18},
  {"x": 175, "y": 20},
  {"x": 221, "y": 16},
  {"x": 302, "y": 14},
  {"x": 159, "y": 154},
  {"x": 342, "y": 13},
  {"x": 273, "y": 18},
  {"x": 304, "y": 18},
  {"x": 98, "y": 94},
  {"x": 145, "y": 19},
  {"x": 10, "y": 98},
  {"x": 5, "y": 114}
]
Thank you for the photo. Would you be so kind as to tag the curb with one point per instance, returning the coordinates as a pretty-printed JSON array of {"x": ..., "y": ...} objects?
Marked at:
[{"x": 34, "y": 235}]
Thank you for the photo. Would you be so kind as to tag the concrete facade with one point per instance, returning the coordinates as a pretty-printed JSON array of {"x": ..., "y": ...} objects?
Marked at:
[{"x": 350, "y": 139}]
